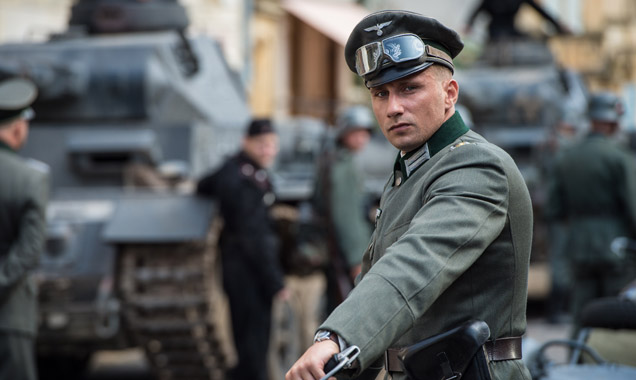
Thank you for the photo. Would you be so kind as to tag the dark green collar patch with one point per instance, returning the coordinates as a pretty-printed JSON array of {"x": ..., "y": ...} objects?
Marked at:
[
  {"x": 4, "y": 145},
  {"x": 449, "y": 131}
]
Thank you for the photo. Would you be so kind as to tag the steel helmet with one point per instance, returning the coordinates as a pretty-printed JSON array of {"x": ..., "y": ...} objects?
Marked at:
[
  {"x": 355, "y": 117},
  {"x": 605, "y": 106}
]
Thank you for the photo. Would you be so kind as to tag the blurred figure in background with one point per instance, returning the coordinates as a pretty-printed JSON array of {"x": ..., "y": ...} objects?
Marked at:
[
  {"x": 502, "y": 18},
  {"x": 592, "y": 191},
  {"x": 252, "y": 273},
  {"x": 339, "y": 201},
  {"x": 23, "y": 198},
  {"x": 562, "y": 135}
]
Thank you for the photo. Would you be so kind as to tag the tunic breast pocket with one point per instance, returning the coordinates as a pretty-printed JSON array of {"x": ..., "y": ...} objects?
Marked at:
[{"x": 394, "y": 233}]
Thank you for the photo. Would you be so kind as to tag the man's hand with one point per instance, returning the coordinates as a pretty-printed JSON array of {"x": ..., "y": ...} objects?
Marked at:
[
  {"x": 311, "y": 365},
  {"x": 283, "y": 295}
]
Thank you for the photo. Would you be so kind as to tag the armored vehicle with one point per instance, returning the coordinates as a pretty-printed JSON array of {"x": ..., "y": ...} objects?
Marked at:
[
  {"x": 129, "y": 111},
  {"x": 517, "y": 95}
]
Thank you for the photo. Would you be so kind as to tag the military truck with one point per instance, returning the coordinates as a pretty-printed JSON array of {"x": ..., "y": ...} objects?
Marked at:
[
  {"x": 516, "y": 94},
  {"x": 129, "y": 111}
]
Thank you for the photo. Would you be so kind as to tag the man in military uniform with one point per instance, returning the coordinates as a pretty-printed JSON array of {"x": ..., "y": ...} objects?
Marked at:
[
  {"x": 23, "y": 198},
  {"x": 252, "y": 275},
  {"x": 592, "y": 190},
  {"x": 339, "y": 199},
  {"x": 454, "y": 227}
]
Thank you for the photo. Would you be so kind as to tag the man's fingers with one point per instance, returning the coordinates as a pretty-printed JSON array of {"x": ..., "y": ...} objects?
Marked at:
[{"x": 310, "y": 366}]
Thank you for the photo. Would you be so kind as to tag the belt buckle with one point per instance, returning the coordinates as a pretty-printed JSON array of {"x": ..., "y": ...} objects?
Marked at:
[{"x": 386, "y": 360}]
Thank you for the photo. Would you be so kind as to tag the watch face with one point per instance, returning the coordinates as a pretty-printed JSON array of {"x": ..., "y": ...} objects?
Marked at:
[{"x": 322, "y": 335}]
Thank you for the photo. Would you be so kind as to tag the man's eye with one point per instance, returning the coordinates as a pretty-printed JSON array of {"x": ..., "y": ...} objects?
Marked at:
[
  {"x": 380, "y": 94},
  {"x": 410, "y": 88}
]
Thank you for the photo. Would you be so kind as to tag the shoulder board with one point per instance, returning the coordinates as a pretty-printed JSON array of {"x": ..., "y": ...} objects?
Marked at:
[
  {"x": 38, "y": 165},
  {"x": 459, "y": 144}
]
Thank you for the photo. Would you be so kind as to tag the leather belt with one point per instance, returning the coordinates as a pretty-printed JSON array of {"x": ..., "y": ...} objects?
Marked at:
[{"x": 497, "y": 350}]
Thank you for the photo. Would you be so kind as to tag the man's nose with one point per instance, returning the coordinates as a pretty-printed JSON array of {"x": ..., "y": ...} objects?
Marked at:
[{"x": 394, "y": 106}]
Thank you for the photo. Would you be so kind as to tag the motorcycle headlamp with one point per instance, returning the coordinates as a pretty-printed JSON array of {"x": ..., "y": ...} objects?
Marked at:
[{"x": 401, "y": 49}]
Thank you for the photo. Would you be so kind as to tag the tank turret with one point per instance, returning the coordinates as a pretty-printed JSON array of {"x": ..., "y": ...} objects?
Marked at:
[
  {"x": 125, "y": 16},
  {"x": 130, "y": 111}
]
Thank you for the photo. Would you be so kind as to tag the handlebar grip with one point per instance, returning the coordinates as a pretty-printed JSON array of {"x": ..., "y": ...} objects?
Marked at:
[{"x": 331, "y": 364}]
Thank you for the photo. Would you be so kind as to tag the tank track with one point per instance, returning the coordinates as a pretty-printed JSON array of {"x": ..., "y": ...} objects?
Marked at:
[{"x": 174, "y": 308}]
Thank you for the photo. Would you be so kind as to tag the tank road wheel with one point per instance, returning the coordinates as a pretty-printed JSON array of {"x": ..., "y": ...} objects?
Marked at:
[
  {"x": 174, "y": 307},
  {"x": 284, "y": 345}
]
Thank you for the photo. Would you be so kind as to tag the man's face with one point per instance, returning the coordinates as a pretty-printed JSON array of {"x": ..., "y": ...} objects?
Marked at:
[
  {"x": 261, "y": 148},
  {"x": 15, "y": 133},
  {"x": 608, "y": 128},
  {"x": 356, "y": 139},
  {"x": 411, "y": 109}
]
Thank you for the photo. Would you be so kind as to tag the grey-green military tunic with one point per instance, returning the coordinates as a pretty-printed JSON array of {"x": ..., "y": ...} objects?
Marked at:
[
  {"x": 593, "y": 189},
  {"x": 347, "y": 207},
  {"x": 23, "y": 197},
  {"x": 451, "y": 243}
]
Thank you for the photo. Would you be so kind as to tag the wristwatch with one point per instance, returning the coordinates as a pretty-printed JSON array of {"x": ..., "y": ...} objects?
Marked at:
[{"x": 326, "y": 335}]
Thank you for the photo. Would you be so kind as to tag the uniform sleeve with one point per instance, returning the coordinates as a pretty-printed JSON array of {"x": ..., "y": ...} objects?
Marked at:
[
  {"x": 546, "y": 15},
  {"x": 347, "y": 212},
  {"x": 24, "y": 253},
  {"x": 261, "y": 248},
  {"x": 463, "y": 212}
]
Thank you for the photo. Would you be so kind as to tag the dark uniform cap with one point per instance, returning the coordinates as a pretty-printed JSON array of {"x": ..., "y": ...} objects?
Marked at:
[
  {"x": 16, "y": 94},
  {"x": 605, "y": 106},
  {"x": 259, "y": 127},
  {"x": 381, "y": 25}
]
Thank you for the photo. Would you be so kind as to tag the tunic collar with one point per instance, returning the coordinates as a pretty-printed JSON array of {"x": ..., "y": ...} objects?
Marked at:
[
  {"x": 5, "y": 146},
  {"x": 407, "y": 164}
]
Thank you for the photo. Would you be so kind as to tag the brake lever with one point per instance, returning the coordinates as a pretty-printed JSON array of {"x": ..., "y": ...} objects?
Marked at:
[{"x": 340, "y": 360}]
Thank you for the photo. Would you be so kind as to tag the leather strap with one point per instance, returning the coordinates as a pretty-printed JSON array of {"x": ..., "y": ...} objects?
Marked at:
[
  {"x": 503, "y": 349},
  {"x": 497, "y": 350}
]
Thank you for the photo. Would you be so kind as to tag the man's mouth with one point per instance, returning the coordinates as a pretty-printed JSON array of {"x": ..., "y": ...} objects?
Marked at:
[{"x": 398, "y": 127}]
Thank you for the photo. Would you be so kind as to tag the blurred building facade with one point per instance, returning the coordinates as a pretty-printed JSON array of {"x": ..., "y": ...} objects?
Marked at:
[{"x": 290, "y": 52}]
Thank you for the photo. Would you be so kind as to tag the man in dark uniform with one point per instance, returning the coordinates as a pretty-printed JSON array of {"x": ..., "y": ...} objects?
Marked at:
[
  {"x": 339, "y": 199},
  {"x": 592, "y": 190},
  {"x": 23, "y": 198},
  {"x": 454, "y": 228},
  {"x": 252, "y": 275}
]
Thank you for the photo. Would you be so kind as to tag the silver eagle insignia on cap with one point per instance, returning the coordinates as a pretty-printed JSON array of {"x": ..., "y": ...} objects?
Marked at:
[{"x": 378, "y": 27}]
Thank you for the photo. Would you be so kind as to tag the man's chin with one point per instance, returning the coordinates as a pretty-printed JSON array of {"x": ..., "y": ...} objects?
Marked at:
[{"x": 404, "y": 146}]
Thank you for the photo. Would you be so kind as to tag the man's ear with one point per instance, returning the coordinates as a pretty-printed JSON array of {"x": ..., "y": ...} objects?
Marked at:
[{"x": 452, "y": 93}]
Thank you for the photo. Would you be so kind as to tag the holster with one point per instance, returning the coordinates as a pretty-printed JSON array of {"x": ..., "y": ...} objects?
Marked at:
[{"x": 452, "y": 355}]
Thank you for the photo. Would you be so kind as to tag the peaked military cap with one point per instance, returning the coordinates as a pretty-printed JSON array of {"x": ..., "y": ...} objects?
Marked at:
[
  {"x": 16, "y": 95},
  {"x": 442, "y": 45},
  {"x": 259, "y": 127}
]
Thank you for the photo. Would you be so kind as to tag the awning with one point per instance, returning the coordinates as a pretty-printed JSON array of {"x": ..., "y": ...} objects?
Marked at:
[{"x": 335, "y": 20}]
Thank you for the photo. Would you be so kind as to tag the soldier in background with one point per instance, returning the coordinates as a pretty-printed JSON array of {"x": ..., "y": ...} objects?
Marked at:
[
  {"x": 592, "y": 190},
  {"x": 23, "y": 198},
  {"x": 502, "y": 18},
  {"x": 339, "y": 200},
  {"x": 252, "y": 274}
]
